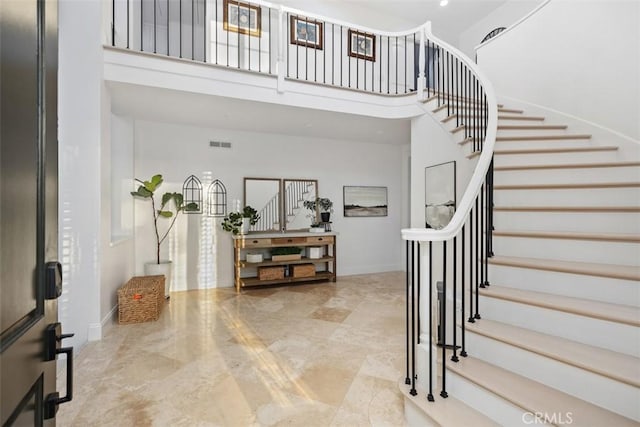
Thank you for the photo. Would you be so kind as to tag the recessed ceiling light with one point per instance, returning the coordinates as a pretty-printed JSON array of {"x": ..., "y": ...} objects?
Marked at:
[{"x": 444, "y": 2}]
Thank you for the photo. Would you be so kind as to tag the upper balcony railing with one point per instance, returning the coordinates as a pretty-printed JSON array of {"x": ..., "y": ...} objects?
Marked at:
[{"x": 271, "y": 39}]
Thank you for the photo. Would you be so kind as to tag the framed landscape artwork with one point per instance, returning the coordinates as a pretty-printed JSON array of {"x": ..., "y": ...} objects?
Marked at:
[
  {"x": 439, "y": 194},
  {"x": 361, "y": 45},
  {"x": 243, "y": 18},
  {"x": 360, "y": 201},
  {"x": 306, "y": 32}
]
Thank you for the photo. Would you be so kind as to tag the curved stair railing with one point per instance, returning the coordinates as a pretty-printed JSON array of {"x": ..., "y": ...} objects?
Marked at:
[{"x": 463, "y": 246}]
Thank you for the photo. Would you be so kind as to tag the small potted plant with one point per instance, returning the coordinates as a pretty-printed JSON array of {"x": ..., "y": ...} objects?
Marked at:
[
  {"x": 170, "y": 206},
  {"x": 323, "y": 204},
  {"x": 239, "y": 222},
  {"x": 286, "y": 253}
]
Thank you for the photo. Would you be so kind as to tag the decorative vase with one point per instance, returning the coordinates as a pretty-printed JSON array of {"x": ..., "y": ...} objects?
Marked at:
[
  {"x": 325, "y": 216},
  {"x": 246, "y": 224},
  {"x": 164, "y": 269}
]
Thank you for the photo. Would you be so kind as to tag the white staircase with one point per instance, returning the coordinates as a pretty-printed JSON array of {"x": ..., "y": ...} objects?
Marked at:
[{"x": 559, "y": 338}]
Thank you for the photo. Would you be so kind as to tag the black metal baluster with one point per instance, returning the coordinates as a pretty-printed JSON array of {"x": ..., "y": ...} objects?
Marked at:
[
  {"x": 269, "y": 47},
  {"x": 407, "y": 379},
  {"x": 341, "y": 56},
  {"x": 396, "y": 45},
  {"x": 248, "y": 34},
  {"x": 141, "y": 26},
  {"x": 430, "y": 395},
  {"x": 463, "y": 351},
  {"x": 128, "y": 17},
  {"x": 476, "y": 262},
  {"x": 193, "y": 32},
  {"x": 388, "y": 67},
  {"x": 357, "y": 70},
  {"x": 306, "y": 57},
  {"x": 471, "y": 265},
  {"x": 456, "y": 92},
  {"x": 418, "y": 301},
  {"x": 155, "y": 26},
  {"x": 405, "y": 63},
  {"x": 482, "y": 232},
  {"x": 413, "y": 391},
  {"x": 491, "y": 205},
  {"x": 454, "y": 358},
  {"x": 168, "y": 28},
  {"x": 443, "y": 393},
  {"x": 113, "y": 22},
  {"x": 380, "y": 64},
  {"x": 287, "y": 45},
  {"x": 333, "y": 53}
]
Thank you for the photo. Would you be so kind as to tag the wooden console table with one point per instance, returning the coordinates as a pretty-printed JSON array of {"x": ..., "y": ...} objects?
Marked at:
[{"x": 246, "y": 273}]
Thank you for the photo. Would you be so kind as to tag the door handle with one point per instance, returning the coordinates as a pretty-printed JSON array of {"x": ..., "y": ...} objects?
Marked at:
[{"x": 53, "y": 346}]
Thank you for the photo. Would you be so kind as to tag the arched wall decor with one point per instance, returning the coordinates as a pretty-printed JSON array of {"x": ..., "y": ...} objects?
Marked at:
[
  {"x": 217, "y": 199},
  {"x": 192, "y": 193}
]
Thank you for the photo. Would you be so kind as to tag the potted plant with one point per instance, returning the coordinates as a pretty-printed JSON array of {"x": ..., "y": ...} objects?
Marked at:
[
  {"x": 170, "y": 206},
  {"x": 323, "y": 204},
  {"x": 286, "y": 253},
  {"x": 239, "y": 222}
]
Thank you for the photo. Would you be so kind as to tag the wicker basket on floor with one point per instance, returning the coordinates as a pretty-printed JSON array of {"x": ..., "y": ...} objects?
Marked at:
[{"x": 141, "y": 299}]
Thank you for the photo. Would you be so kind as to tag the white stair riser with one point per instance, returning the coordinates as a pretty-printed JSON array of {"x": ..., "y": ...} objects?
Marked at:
[
  {"x": 549, "y": 158},
  {"x": 545, "y": 144},
  {"x": 584, "y": 384},
  {"x": 567, "y": 176},
  {"x": 586, "y": 222},
  {"x": 415, "y": 417},
  {"x": 600, "y": 333},
  {"x": 614, "y": 291},
  {"x": 568, "y": 250},
  {"x": 625, "y": 196},
  {"x": 487, "y": 403}
]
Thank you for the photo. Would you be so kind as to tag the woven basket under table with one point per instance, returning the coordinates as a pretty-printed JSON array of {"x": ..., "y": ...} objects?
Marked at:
[{"x": 141, "y": 299}]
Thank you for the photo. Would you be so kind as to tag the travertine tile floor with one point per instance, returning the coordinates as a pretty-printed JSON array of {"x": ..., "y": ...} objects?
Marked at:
[{"x": 327, "y": 354}]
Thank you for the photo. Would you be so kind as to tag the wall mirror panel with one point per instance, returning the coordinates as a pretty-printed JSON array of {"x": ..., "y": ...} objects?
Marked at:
[
  {"x": 280, "y": 202},
  {"x": 263, "y": 194},
  {"x": 440, "y": 194},
  {"x": 296, "y": 192}
]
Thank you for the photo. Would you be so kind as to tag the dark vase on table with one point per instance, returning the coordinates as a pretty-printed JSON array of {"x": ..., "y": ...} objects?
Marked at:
[{"x": 325, "y": 216}]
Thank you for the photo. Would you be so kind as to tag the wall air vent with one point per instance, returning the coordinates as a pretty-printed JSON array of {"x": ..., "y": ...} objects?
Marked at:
[{"x": 219, "y": 144}]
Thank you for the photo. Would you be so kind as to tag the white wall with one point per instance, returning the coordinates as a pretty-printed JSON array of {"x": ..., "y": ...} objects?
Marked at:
[
  {"x": 116, "y": 242},
  {"x": 432, "y": 144},
  {"x": 504, "y": 16},
  {"x": 365, "y": 245},
  {"x": 581, "y": 58}
]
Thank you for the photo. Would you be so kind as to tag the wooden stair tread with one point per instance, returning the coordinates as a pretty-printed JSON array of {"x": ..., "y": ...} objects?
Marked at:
[
  {"x": 446, "y": 412},
  {"x": 433, "y": 95},
  {"x": 588, "y": 308},
  {"x": 509, "y": 110},
  {"x": 602, "y": 237},
  {"x": 569, "y": 166},
  {"x": 518, "y": 117},
  {"x": 623, "y": 272},
  {"x": 566, "y": 209},
  {"x": 557, "y": 150},
  {"x": 586, "y": 185},
  {"x": 532, "y": 127},
  {"x": 533, "y": 396},
  {"x": 541, "y": 137},
  {"x": 617, "y": 366}
]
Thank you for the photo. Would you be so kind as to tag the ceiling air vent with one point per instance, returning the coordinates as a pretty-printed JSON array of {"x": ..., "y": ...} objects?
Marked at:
[{"x": 219, "y": 144}]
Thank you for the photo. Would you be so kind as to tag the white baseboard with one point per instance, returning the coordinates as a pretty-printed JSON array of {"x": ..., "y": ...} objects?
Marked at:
[
  {"x": 368, "y": 269},
  {"x": 96, "y": 331}
]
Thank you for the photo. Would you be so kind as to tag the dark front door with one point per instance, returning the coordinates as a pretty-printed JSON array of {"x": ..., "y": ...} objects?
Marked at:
[{"x": 29, "y": 276}]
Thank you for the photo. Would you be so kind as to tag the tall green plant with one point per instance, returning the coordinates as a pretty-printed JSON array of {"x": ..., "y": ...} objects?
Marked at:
[{"x": 147, "y": 190}]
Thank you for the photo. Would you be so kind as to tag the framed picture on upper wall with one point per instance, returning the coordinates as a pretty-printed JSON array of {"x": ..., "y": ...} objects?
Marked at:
[
  {"x": 365, "y": 201},
  {"x": 361, "y": 45},
  {"x": 305, "y": 32},
  {"x": 243, "y": 18}
]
